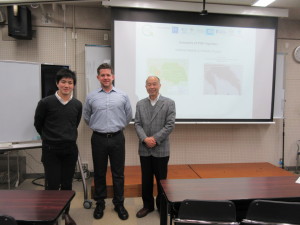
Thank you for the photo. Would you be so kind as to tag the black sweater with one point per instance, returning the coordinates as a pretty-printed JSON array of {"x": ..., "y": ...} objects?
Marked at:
[{"x": 57, "y": 122}]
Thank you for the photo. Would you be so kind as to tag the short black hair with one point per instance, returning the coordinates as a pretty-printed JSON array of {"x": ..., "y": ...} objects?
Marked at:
[
  {"x": 104, "y": 66},
  {"x": 65, "y": 73}
]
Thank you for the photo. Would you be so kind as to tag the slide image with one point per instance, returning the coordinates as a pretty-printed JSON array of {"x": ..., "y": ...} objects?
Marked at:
[
  {"x": 173, "y": 74},
  {"x": 222, "y": 79}
]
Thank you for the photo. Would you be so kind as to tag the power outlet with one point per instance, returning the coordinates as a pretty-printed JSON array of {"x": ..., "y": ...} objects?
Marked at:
[
  {"x": 105, "y": 37},
  {"x": 85, "y": 167}
]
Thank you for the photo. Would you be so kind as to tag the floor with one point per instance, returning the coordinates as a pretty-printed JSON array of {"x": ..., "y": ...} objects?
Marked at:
[{"x": 84, "y": 216}]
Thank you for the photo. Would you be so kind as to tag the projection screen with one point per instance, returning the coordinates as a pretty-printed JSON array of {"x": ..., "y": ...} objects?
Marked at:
[{"x": 215, "y": 67}]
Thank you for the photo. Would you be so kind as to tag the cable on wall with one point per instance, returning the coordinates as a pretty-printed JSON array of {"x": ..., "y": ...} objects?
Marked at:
[{"x": 63, "y": 6}]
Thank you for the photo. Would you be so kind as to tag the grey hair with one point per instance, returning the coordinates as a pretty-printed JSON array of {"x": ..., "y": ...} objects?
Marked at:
[{"x": 154, "y": 77}]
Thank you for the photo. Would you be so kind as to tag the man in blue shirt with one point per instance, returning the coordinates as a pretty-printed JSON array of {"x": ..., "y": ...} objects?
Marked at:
[{"x": 107, "y": 111}]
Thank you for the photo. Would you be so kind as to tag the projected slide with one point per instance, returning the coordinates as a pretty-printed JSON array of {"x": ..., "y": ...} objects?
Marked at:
[{"x": 212, "y": 72}]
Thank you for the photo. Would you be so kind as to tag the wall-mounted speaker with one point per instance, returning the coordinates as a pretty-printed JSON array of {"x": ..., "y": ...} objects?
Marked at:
[{"x": 19, "y": 22}]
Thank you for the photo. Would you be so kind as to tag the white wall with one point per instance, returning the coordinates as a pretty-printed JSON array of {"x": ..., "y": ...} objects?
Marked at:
[{"x": 189, "y": 143}]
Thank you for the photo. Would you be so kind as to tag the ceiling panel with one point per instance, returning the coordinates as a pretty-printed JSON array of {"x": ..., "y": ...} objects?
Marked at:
[
  {"x": 292, "y": 5},
  {"x": 276, "y": 4}
]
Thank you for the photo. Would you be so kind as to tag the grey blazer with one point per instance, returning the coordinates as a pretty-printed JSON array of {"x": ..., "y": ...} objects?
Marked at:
[{"x": 160, "y": 125}]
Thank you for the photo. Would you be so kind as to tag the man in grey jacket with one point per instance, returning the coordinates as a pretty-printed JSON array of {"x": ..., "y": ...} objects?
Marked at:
[{"x": 154, "y": 121}]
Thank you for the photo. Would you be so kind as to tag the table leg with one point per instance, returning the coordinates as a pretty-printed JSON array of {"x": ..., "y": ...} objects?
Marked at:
[
  {"x": 163, "y": 210},
  {"x": 18, "y": 171},
  {"x": 8, "y": 170},
  {"x": 171, "y": 217}
]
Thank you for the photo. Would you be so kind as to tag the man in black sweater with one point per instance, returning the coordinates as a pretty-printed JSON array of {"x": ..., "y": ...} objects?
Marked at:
[{"x": 56, "y": 120}]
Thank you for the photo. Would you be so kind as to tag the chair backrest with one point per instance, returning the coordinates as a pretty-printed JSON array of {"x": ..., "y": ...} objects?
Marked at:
[
  {"x": 206, "y": 212},
  {"x": 272, "y": 212},
  {"x": 7, "y": 220}
]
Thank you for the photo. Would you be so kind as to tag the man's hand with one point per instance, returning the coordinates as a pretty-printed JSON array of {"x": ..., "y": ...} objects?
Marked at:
[{"x": 150, "y": 142}]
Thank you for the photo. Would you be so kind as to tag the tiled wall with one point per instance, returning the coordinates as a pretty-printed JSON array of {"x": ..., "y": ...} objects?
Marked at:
[{"x": 190, "y": 143}]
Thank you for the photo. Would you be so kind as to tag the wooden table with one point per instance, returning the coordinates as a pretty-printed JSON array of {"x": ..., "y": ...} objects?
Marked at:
[
  {"x": 222, "y": 170},
  {"x": 133, "y": 179},
  {"x": 240, "y": 190},
  {"x": 34, "y": 206}
]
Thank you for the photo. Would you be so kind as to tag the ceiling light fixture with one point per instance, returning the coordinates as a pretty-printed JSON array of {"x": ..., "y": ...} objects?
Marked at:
[
  {"x": 203, "y": 12},
  {"x": 263, "y": 3}
]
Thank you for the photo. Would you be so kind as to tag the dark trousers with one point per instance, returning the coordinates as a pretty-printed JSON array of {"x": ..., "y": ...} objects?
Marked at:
[
  {"x": 114, "y": 149},
  {"x": 59, "y": 160},
  {"x": 152, "y": 166}
]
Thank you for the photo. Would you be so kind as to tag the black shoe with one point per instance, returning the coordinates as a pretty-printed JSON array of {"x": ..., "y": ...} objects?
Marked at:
[
  {"x": 98, "y": 213},
  {"x": 143, "y": 212},
  {"x": 122, "y": 212}
]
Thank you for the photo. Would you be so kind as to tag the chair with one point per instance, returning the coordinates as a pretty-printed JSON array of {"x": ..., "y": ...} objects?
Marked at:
[
  {"x": 272, "y": 212},
  {"x": 206, "y": 212},
  {"x": 7, "y": 220}
]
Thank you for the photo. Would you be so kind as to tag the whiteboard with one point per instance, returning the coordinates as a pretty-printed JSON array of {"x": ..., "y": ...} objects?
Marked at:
[
  {"x": 279, "y": 98},
  {"x": 20, "y": 86},
  {"x": 94, "y": 56}
]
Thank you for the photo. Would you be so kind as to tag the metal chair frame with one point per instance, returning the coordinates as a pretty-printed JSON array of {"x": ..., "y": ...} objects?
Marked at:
[
  {"x": 267, "y": 212},
  {"x": 186, "y": 221},
  {"x": 206, "y": 212},
  {"x": 245, "y": 221}
]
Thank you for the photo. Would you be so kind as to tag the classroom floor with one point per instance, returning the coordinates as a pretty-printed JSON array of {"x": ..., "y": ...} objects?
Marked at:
[{"x": 84, "y": 216}]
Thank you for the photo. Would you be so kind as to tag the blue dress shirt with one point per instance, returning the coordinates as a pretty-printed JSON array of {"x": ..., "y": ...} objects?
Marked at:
[{"x": 107, "y": 112}]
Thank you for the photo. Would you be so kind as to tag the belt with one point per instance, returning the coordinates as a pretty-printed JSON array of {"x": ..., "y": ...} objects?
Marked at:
[{"x": 107, "y": 135}]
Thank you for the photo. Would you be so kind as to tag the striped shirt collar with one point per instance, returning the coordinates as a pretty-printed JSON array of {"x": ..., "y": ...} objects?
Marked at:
[{"x": 101, "y": 89}]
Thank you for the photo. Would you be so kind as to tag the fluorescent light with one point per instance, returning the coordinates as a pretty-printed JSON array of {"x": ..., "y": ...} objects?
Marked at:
[{"x": 263, "y": 3}]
